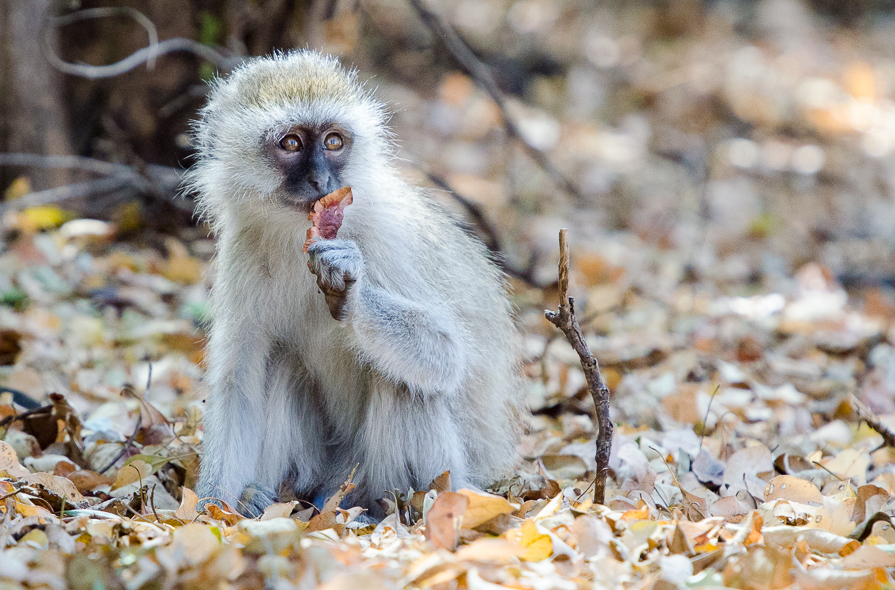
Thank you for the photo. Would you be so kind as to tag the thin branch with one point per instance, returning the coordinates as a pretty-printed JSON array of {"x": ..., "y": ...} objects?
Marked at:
[
  {"x": 488, "y": 231},
  {"x": 65, "y": 192},
  {"x": 147, "y": 55},
  {"x": 564, "y": 319},
  {"x": 72, "y": 162},
  {"x": 127, "y": 445},
  {"x": 481, "y": 73},
  {"x": 157, "y": 181}
]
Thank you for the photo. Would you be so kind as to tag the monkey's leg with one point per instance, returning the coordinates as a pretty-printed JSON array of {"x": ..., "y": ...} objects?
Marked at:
[
  {"x": 406, "y": 442},
  {"x": 234, "y": 415},
  {"x": 292, "y": 436}
]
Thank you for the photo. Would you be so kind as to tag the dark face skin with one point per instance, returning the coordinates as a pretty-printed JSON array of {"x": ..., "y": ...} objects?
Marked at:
[{"x": 311, "y": 160}]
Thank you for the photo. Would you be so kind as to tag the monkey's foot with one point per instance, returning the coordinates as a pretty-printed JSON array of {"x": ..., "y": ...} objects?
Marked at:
[{"x": 255, "y": 498}]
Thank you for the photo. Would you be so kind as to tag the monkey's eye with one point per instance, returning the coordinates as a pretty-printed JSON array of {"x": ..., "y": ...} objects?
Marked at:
[
  {"x": 291, "y": 143},
  {"x": 333, "y": 142}
]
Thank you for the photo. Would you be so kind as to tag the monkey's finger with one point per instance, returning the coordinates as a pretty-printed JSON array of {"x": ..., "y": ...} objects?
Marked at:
[{"x": 336, "y": 304}]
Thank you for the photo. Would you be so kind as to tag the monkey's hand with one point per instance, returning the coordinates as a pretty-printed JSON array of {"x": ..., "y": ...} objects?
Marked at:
[{"x": 338, "y": 264}]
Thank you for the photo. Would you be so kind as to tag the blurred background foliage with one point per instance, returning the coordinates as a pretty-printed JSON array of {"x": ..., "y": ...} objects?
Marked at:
[{"x": 748, "y": 136}]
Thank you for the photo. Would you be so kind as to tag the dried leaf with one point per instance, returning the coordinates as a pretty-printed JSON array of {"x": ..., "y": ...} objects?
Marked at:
[
  {"x": 61, "y": 486},
  {"x": 444, "y": 520},
  {"x": 537, "y": 545},
  {"x": 279, "y": 510},
  {"x": 196, "y": 543},
  {"x": 187, "y": 509},
  {"x": 9, "y": 462},
  {"x": 133, "y": 472},
  {"x": 482, "y": 508}
]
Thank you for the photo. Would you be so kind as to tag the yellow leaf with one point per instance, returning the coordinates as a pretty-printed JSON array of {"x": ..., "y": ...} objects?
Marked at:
[
  {"x": 46, "y": 217},
  {"x": 538, "y": 546},
  {"x": 31, "y": 510},
  {"x": 482, "y": 508},
  {"x": 181, "y": 267},
  {"x": 18, "y": 188},
  {"x": 36, "y": 538},
  {"x": 128, "y": 217}
]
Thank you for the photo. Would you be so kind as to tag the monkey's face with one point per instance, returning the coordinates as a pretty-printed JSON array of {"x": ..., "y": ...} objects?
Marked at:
[{"x": 310, "y": 160}]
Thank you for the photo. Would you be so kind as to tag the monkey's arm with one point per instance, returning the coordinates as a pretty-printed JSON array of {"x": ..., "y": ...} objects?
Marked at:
[{"x": 418, "y": 342}]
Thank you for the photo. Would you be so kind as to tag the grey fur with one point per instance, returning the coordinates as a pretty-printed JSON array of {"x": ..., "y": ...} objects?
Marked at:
[{"x": 420, "y": 377}]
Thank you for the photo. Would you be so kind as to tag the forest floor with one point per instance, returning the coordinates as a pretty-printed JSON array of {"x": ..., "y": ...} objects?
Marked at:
[
  {"x": 738, "y": 458},
  {"x": 732, "y": 263}
]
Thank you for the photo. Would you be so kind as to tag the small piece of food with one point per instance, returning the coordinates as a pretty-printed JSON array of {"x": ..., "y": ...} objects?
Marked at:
[{"x": 327, "y": 215}]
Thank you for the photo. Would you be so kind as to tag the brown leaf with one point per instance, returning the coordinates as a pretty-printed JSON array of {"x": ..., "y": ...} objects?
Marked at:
[
  {"x": 9, "y": 346},
  {"x": 86, "y": 480},
  {"x": 61, "y": 486},
  {"x": 444, "y": 520},
  {"x": 323, "y": 521},
  {"x": 787, "y": 487},
  {"x": 442, "y": 483},
  {"x": 228, "y": 515},
  {"x": 131, "y": 473}
]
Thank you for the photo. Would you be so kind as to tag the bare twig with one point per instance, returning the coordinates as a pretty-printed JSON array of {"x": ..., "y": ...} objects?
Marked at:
[
  {"x": 147, "y": 55},
  {"x": 157, "y": 181},
  {"x": 868, "y": 416},
  {"x": 489, "y": 233},
  {"x": 564, "y": 319},
  {"x": 73, "y": 162},
  {"x": 482, "y": 75},
  {"x": 67, "y": 191},
  {"x": 127, "y": 445}
]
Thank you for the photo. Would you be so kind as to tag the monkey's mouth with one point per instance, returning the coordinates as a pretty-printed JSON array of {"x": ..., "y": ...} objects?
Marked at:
[{"x": 301, "y": 203}]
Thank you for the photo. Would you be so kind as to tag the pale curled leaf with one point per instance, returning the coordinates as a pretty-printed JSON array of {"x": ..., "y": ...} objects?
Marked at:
[
  {"x": 9, "y": 462},
  {"x": 187, "y": 510}
]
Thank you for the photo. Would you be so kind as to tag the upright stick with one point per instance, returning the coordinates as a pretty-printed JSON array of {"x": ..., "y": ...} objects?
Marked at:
[{"x": 564, "y": 319}]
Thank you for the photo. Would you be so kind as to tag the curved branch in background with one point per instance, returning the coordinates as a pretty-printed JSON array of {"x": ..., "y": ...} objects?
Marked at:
[
  {"x": 68, "y": 191},
  {"x": 147, "y": 55},
  {"x": 482, "y": 75},
  {"x": 112, "y": 11},
  {"x": 158, "y": 181},
  {"x": 488, "y": 233},
  {"x": 71, "y": 162}
]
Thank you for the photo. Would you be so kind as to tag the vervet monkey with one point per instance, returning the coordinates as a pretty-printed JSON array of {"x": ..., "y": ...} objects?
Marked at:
[{"x": 410, "y": 373}]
